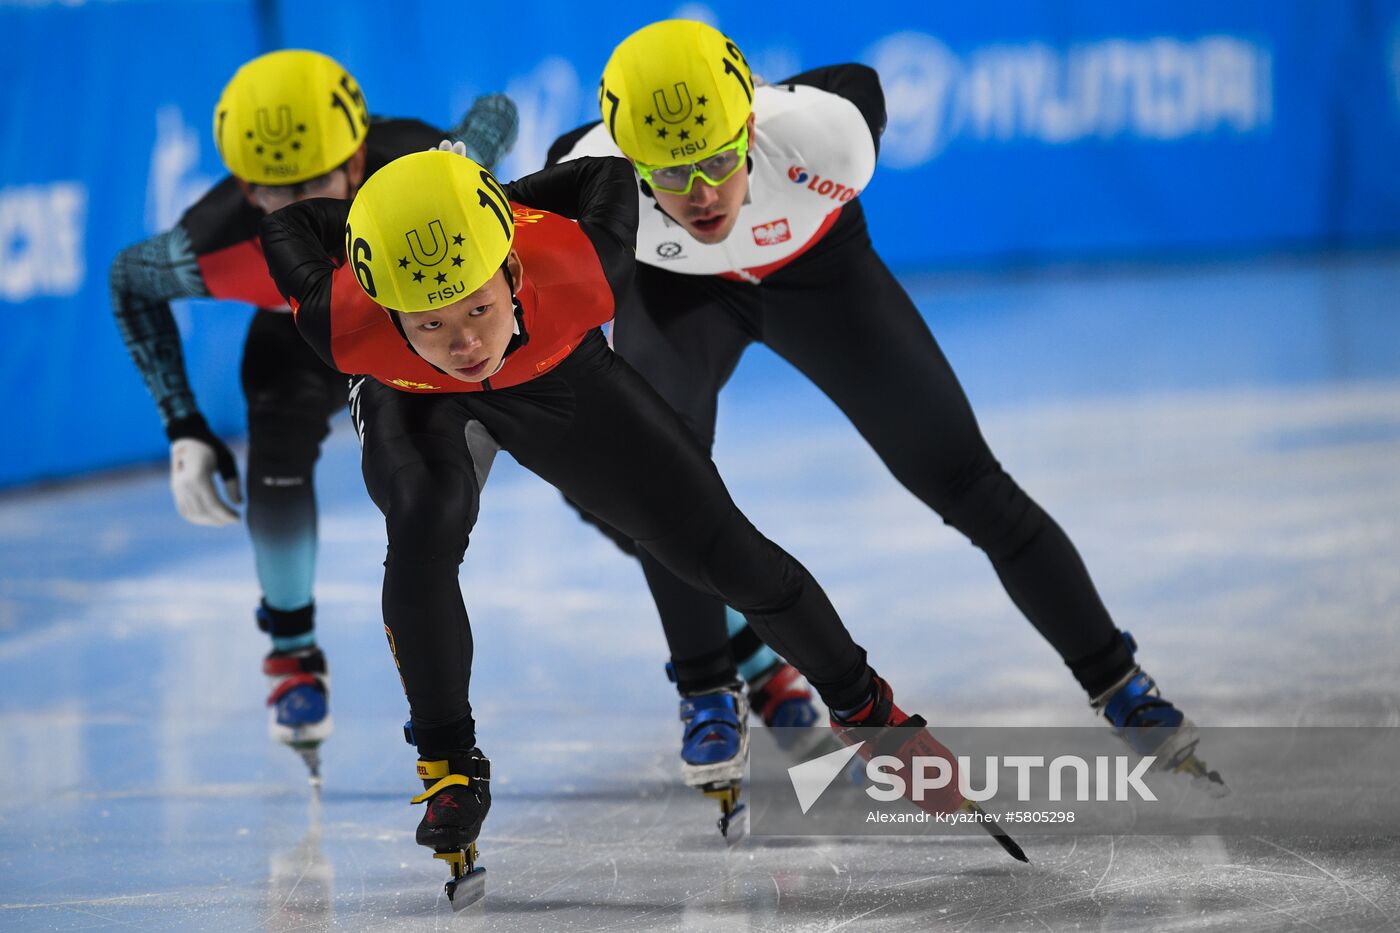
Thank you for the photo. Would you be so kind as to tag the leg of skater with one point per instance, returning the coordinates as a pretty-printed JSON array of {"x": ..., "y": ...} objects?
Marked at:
[
  {"x": 894, "y": 383},
  {"x": 423, "y": 465},
  {"x": 291, "y": 396}
]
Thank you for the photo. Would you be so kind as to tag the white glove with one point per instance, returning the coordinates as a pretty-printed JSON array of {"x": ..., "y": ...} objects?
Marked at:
[
  {"x": 448, "y": 145},
  {"x": 192, "y": 467}
]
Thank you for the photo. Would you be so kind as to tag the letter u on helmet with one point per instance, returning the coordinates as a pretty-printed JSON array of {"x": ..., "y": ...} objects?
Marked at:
[
  {"x": 289, "y": 116},
  {"x": 426, "y": 230},
  {"x": 674, "y": 91}
]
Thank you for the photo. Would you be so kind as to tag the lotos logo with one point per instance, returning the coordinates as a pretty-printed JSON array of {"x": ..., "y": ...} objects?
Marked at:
[
  {"x": 827, "y": 188},
  {"x": 771, "y": 234},
  {"x": 523, "y": 215},
  {"x": 797, "y": 173},
  {"x": 409, "y": 384}
]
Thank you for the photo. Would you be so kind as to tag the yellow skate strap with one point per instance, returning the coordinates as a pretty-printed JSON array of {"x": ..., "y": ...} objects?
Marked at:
[
  {"x": 448, "y": 781},
  {"x": 432, "y": 770}
]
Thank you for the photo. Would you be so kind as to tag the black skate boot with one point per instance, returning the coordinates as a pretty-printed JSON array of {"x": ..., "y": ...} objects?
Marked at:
[{"x": 457, "y": 790}]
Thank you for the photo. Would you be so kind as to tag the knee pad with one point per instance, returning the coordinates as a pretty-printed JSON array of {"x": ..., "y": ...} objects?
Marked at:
[{"x": 994, "y": 513}]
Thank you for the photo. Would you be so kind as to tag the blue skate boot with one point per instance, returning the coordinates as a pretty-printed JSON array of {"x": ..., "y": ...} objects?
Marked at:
[
  {"x": 783, "y": 702},
  {"x": 715, "y": 748},
  {"x": 299, "y": 701},
  {"x": 1150, "y": 725},
  {"x": 782, "y": 699}
]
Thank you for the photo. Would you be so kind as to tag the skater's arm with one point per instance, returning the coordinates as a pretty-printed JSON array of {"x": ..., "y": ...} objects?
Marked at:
[
  {"x": 488, "y": 129},
  {"x": 304, "y": 243},
  {"x": 859, "y": 84},
  {"x": 144, "y": 279},
  {"x": 601, "y": 194}
]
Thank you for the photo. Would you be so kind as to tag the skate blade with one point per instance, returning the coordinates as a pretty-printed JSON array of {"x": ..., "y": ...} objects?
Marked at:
[
  {"x": 734, "y": 825},
  {"x": 1177, "y": 755},
  {"x": 468, "y": 882},
  {"x": 994, "y": 830},
  {"x": 311, "y": 755},
  {"x": 1202, "y": 777},
  {"x": 467, "y": 890},
  {"x": 733, "y": 820}
]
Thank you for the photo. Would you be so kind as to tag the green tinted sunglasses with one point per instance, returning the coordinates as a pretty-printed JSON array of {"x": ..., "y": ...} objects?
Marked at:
[{"x": 714, "y": 170}]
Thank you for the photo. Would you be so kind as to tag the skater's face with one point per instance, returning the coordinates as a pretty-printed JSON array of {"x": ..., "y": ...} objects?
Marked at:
[
  {"x": 708, "y": 212},
  {"x": 467, "y": 339},
  {"x": 340, "y": 183}
]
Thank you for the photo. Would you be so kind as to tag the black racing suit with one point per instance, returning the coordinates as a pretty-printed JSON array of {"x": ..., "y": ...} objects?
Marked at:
[
  {"x": 590, "y": 426},
  {"x": 835, "y": 312}
]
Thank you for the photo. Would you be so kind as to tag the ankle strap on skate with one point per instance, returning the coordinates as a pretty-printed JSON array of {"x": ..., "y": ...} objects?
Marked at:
[
  {"x": 710, "y": 711},
  {"x": 475, "y": 766},
  {"x": 441, "y": 771},
  {"x": 449, "y": 781},
  {"x": 892, "y": 739},
  {"x": 310, "y": 661},
  {"x": 1120, "y": 701},
  {"x": 288, "y": 684}
]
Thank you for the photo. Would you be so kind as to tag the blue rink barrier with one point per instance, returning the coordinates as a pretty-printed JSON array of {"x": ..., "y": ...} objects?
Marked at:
[{"x": 1018, "y": 132}]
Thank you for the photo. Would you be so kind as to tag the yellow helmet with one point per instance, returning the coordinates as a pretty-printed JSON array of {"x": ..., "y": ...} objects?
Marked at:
[
  {"x": 674, "y": 91},
  {"x": 426, "y": 230},
  {"x": 289, "y": 116}
]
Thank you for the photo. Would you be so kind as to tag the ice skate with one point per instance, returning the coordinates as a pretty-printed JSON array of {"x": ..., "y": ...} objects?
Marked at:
[
  {"x": 457, "y": 790},
  {"x": 1151, "y": 725},
  {"x": 299, "y": 702},
  {"x": 881, "y": 728},
  {"x": 783, "y": 701},
  {"x": 714, "y": 750}
]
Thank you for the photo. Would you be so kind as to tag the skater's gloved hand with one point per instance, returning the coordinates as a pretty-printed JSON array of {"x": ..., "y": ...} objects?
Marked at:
[
  {"x": 448, "y": 145},
  {"x": 195, "y": 455}
]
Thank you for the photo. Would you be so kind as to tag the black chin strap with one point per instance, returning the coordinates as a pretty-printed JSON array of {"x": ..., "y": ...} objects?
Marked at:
[{"x": 521, "y": 337}]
